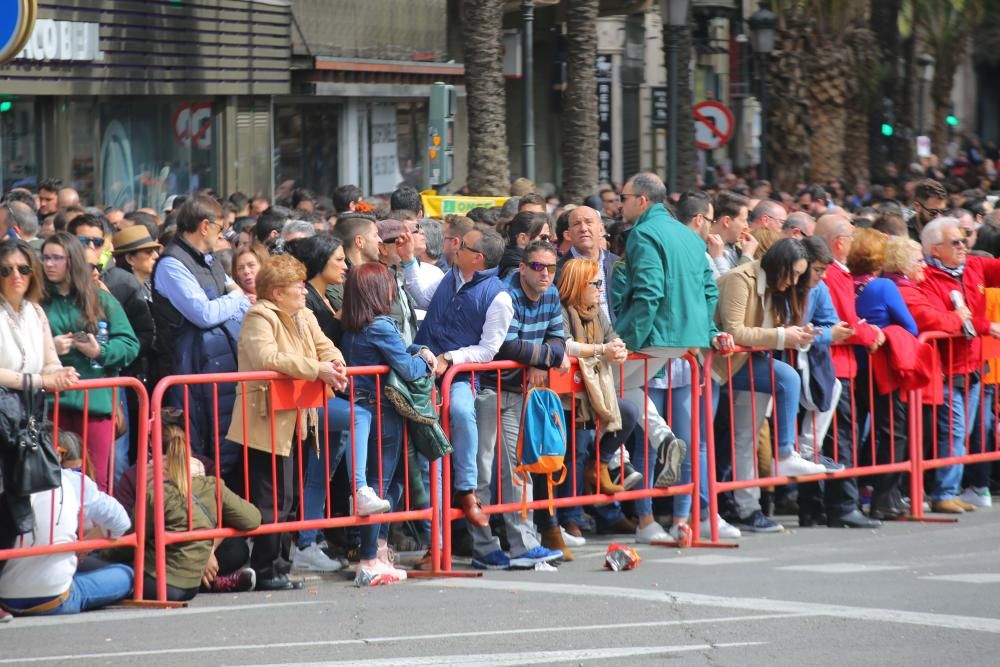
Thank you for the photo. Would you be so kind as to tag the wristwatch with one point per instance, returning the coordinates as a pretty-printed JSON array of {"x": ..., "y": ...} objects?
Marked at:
[{"x": 450, "y": 359}]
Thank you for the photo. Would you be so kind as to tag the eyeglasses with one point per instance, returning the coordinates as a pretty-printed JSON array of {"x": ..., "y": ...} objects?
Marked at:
[
  {"x": 626, "y": 195},
  {"x": 470, "y": 248},
  {"x": 93, "y": 241},
  {"x": 954, "y": 243},
  {"x": 539, "y": 267},
  {"x": 23, "y": 269},
  {"x": 53, "y": 259},
  {"x": 933, "y": 212},
  {"x": 596, "y": 283},
  {"x": 707, "y": 219}
]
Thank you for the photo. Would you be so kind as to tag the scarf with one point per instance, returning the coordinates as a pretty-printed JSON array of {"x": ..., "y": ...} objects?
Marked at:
[
  {"x": 585, "y": 324},
  {"x": 600, "y": 401},
  {"x": 955, "y": 273},
  {"x": 861, "y": 282}
]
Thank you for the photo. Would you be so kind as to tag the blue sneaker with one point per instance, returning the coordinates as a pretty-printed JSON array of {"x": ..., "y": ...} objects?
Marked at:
[
  {"x": 537, "y": 555},
  {"x": 495, "y": 560},
  {"x": 758, "y": 523}
]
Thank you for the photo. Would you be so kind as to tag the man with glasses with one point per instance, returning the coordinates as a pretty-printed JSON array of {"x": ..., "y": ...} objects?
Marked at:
[
  {"x": 611, "y": 204},
  {"x": 930, "y": 201},
  {"x": 950, "y": 268},
  {"x": 467, "y": 321},
  {"x": 198, "y": 309},
  {"x": 769, "y": 214},
  {"x": 17, "y": 220},
  {"x": 586, "y": 230},
  {"x": 534, "y": 338}
]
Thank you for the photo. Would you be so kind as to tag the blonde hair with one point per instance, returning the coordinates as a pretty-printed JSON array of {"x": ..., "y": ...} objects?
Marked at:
[
  {"x": 899, "y": 254},
  {"x": 867, "y": 252},
  {"x": 573, "y": 279},
  {"x": 766, "y": 237},
  {"x": 176, "y": 456},
  {"x": 277, "y": 272}
]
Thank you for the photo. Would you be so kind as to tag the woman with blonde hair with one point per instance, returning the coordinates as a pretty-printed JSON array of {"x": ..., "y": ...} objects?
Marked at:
[{"x": 205, "y": 565}]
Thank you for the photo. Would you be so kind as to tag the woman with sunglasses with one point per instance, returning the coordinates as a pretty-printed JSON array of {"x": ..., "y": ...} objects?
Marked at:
[{"x": 76, "y": 307}]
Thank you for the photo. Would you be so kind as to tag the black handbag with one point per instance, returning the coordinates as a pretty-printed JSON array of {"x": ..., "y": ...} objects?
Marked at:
[{"x": 32, "y": 460}]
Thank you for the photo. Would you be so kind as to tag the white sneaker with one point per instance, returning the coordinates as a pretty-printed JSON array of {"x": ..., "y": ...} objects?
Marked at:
[
  {"x": 796, "y": 466},
  {"x": 572, "y": 540},
  {"x": 312, "y": 559},
  {"x": 369, "y": 502},
  {"x": 727, "y": 531},
  {"x": 978, "y": 497},
  {"x": 652, "y": 533}
]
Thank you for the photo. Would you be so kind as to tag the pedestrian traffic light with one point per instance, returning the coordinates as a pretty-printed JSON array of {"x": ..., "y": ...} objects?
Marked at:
[
  {"x": 887, "y": 130},
  {"x": 888, "y": 117},
  {"x": 441, "y": 133},
  {"x": 6, "y": 106},
  {"x": 951, "y": 119}
]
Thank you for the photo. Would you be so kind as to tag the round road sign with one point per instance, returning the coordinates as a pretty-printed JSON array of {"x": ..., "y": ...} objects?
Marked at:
[{"x": 713, "y": 125}]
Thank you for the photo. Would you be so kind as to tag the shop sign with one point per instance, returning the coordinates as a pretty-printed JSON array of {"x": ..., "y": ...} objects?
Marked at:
[
  {"x": 63, "y": 41},
  {"x": 604, "y": 79},
  {"x": 17, "y": 17}
]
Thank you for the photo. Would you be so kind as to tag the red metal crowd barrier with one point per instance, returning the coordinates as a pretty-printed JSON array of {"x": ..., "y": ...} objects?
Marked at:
[
  {"x": 105, "y": 463},
  {"x": 297, "y": 395},
  {"x": 863, "y": 448},
  {"x": 578, "y": 497}
]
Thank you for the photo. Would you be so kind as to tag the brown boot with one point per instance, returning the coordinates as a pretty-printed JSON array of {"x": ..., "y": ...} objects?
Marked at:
[
  {"x": 473, "y": 509},
  {"x": 552, "y": 539},
  {"x": 607, "y": 485}
]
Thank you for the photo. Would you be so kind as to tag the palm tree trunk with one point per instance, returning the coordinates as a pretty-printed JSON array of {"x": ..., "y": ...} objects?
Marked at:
[
  {"x": 579, "y": 114},
  {"x": 489, "y": 168}
]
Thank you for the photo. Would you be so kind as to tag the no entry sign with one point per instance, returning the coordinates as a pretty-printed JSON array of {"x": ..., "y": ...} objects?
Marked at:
[{"x": 713, "y": 125}]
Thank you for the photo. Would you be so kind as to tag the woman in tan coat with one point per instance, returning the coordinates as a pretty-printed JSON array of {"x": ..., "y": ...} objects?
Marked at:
[{"x": 278, "y": 334}]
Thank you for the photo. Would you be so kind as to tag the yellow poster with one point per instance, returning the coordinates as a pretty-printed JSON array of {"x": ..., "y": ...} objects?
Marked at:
[{"x": 438, "y": 206}]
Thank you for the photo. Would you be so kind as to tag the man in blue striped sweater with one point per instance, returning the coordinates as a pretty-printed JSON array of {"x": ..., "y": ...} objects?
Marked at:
[{"x": 534, "y": 338}]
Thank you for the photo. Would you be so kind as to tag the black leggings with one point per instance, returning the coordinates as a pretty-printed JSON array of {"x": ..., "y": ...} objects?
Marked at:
[{"x": 231, "y": 554}]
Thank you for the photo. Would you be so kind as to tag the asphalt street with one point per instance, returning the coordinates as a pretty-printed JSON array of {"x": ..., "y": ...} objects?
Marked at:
[{"x": 910, "y": 593}]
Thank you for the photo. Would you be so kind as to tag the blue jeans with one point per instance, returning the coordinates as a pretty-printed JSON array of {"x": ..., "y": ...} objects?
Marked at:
[
  {"x": 464, "y": 437},
  {"x": 317, "y": 473},
  {"x": 604, "y": 515},
  {"x": 786, "y": 394},
  {"x": 392, "y": 453},
  {"x": 89, "y": 590},
  {"x": 955, "y": 419},
  {"x": 679, "y": 400},
  {"x": 982, "y": 440}
]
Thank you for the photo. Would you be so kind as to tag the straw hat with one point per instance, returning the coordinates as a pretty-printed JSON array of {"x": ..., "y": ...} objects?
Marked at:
[{"x": 132, "y": 239}]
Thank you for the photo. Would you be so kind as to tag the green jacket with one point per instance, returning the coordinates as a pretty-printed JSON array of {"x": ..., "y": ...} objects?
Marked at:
[
  {"x": 186, "y": 561},
  {"x": 667, "y": 297},
  {"x": 121, "y": 350}
]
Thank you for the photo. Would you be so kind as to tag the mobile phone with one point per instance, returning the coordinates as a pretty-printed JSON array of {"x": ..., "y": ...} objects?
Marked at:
[{"x": 80, "y": 336}]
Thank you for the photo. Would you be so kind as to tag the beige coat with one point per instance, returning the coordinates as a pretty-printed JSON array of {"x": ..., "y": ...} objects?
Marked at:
[
  {"x": 742, "y": 312},
  {"x": 272, "y": 340}
]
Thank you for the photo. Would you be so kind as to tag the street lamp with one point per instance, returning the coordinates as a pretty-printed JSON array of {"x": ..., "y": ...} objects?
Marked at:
[
  {"x": 926, "y": 63},
  {"x": 675, "y": 15},
  {"x": 763, "y": 28},
  {"x": 528, "y": 84}
]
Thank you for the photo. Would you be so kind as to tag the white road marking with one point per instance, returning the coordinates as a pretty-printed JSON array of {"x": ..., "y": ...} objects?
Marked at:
[
  {"x": 984, "y": 578},
  {"x": 840, "y": 568},
  {"x": 707, "y": 559},
  {"x": 949, "y": 621},
  {"x": 405, "y": 638},
  {"x": 526, "y": 658}
]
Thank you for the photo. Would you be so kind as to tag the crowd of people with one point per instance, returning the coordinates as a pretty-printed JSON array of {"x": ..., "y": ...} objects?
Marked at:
[{"x": 829, "y": 288}]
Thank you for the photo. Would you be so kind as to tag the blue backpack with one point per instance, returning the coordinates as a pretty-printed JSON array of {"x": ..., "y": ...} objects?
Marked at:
[{"x": 541, "y": 446}]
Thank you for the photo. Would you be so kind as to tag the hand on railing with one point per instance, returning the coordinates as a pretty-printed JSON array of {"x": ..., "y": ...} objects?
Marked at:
[
  {"x": 333, "y": 373},
  {"x": 616, "y": 352},
  {"x": 63, "y": 378}
]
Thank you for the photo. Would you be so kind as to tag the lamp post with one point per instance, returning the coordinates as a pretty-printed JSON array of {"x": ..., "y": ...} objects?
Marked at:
[
  {"x": 675, "y": 14},
  {"x": 528, "y": 93},
  {"x": 926, "y": 63},
  {"x": 763, "y": 28}
]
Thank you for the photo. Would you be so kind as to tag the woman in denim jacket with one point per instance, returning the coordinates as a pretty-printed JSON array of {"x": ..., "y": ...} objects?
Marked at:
[{"x": 372, "y": 339}]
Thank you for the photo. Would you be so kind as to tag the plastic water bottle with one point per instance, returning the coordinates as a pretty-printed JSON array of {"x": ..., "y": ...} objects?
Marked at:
[{"x": 102, "y": 339}]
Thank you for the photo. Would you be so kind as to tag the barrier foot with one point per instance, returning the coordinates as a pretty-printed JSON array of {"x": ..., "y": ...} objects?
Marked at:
[
  {"x": 696, "y": 545},
  {"x": 441, "y": 574},
  {"x": 926, "y": 519},
  {"x": 151, "y": 604}
]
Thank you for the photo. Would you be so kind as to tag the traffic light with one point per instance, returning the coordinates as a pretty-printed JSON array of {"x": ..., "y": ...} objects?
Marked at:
[
  {"x": 888, "y": 117},
  {"x": 6, "y": 106},
  {"x": 951, "y": 119},
  {"x": 441, "y": 133}
]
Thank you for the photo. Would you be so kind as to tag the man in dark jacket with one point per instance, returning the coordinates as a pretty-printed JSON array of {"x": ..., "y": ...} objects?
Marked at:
[
  {"x": 586, "y": 231},
  {"x": 199, "y": 308}
]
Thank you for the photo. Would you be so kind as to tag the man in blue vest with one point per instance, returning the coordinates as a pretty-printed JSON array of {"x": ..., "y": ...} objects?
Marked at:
[
  {"x": 198, "y": 310},
  {"x": 466, "y": 322}
]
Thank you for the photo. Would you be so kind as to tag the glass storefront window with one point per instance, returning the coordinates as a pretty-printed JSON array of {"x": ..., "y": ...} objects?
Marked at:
[
  {"x": 151, "y": 150},
  {"x": 412, "y": 140},
  {"x": 307, "y": 138},
  {"x": 82, "y": 117},
  {"x": 20, "y": 153}
]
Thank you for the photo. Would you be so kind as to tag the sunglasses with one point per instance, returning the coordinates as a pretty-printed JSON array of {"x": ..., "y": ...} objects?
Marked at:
[
  {"x": 955, "y": 243},
  {"x": 935, "y": 212},
  {"x": 23, "y": 269},
  {"x": 95, "y": 241},
  {"x": 470, "y": 248},
  {"x": 539, "y": 267},
  {"x": 596, "y": 283}
]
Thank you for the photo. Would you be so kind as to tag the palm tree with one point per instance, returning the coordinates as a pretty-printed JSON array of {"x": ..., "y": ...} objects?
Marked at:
[
  {"x": 579, "y": 113},
  {"x": 489, "y": 168},
  {"x": 945, "y": 26}
]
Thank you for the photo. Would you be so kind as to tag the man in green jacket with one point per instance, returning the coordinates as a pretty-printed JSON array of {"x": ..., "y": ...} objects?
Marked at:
[{"x": 667, "y": 301}]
